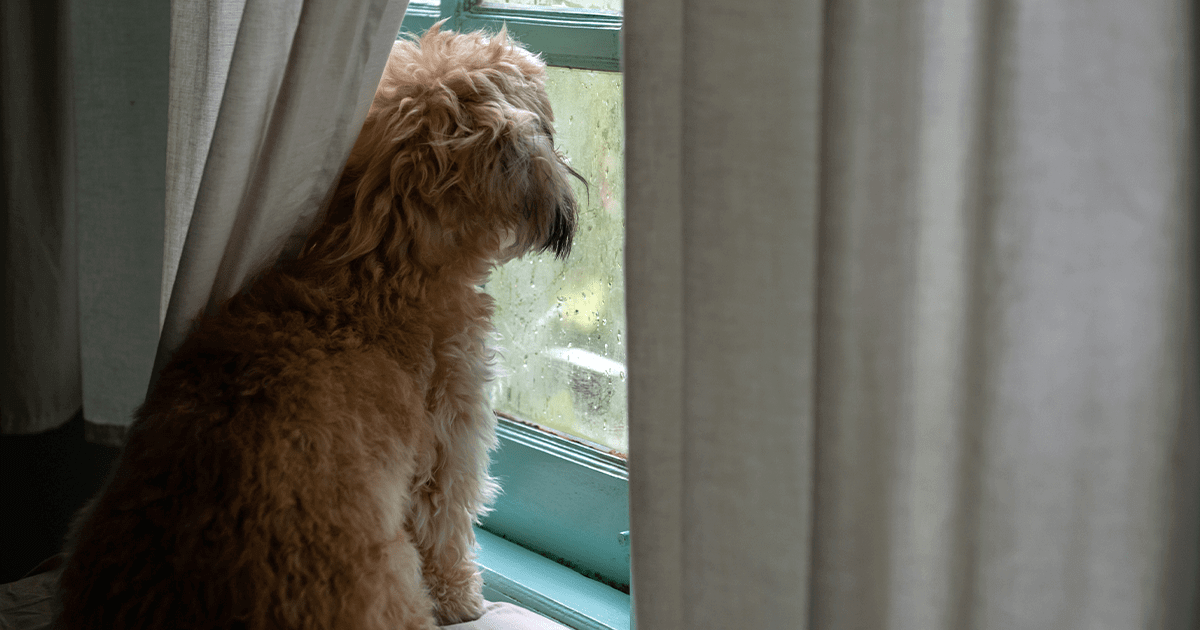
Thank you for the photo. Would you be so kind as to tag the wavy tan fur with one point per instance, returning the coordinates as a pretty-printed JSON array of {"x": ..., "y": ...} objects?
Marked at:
[{"x": 314, "y": 455}]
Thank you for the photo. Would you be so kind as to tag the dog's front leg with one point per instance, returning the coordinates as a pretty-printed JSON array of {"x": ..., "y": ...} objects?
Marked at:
[{"x": 445, "y": 513}]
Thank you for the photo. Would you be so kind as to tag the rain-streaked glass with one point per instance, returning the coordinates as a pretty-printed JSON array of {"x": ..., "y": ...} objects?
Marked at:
[{"x": 562, "y": 323}]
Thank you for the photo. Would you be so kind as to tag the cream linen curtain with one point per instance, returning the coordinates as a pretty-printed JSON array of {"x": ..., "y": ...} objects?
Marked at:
[
  {"x": 254, "y": 114},
  {"x": 266, "y": 100},
  {"x": 912, "y": 311},
  {"x": 83, "y": 89}
]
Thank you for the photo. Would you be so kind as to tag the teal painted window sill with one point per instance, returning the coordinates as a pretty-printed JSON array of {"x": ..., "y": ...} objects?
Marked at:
[
  {"x": 557, "y": 540},
  {"x": 516, "y": 575},
  {"x": 564, "y": 499}
]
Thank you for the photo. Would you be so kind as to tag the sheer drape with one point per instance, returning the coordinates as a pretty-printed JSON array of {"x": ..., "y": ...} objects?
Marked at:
[
  {"x": 263, "y": 103},
  {"x": 912, "y": 314}
]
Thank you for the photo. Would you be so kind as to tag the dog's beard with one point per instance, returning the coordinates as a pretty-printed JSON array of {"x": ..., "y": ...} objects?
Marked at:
[
  {"x": 560, "y": 237},
  {"x": 562, "y": 230}
]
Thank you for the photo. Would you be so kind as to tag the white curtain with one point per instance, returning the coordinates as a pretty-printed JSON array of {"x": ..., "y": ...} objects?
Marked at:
[
  {"x": 912, "y": 314},
  {"x": 242, "y": 133},
  {"x": 266, "y": 101},
  {"x": 39, "y": 383},
  {"x": 83, "y": 117}
]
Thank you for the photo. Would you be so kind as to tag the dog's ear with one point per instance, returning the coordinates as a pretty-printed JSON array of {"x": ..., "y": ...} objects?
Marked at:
[
  {"x": 532, "y": 180},
  {"x": 483, "y": 162}
]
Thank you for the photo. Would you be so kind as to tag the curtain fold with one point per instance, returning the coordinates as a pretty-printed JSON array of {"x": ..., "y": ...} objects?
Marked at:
[
  {"x": 84, "y": 97},
  {"x": 236, "y": 115},
  {"x": 722, "y": 178},
  {"x": 39, "y": 382},
  {"x": 912, "y": 310},
  {"x": 300, "y": 80}
]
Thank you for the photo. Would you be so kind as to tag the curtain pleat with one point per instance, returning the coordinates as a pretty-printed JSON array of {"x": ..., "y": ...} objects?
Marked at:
[
  {"x": 301, "y": 77},
  {"x": 39, "y": 368},
  {"x": 912, "y": 309},
  {"x": 120, "y": 87},
  {"x": 653, "y": 53},
  {"x": 84, "y": 138},
  {"x": 721, "y": 343},
  {"x": 202, "y": 43}
]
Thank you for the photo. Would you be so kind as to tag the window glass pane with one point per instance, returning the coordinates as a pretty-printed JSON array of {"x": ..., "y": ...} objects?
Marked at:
[
  {"x": 605, "y": 5},
  {"x": 563, "y": 323}
]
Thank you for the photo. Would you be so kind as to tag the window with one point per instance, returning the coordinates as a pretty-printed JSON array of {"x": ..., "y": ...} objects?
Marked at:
[{"x": 562, "y": 323}]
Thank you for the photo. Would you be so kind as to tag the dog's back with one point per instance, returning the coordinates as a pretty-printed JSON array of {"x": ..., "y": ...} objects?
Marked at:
[{"x": 239, "y": 498}]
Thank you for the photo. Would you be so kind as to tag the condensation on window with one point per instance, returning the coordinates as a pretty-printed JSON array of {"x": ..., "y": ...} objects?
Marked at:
[{"x": 562, "y": 324}]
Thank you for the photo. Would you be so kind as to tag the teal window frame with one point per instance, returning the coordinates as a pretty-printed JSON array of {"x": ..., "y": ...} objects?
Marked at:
[
  {"x": 557, "y": 539},
  {"x": 569, "y": 38}
]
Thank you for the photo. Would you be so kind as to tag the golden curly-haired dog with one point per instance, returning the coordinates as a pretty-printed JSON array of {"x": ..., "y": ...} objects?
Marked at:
[{"x": 315, "y": 453}]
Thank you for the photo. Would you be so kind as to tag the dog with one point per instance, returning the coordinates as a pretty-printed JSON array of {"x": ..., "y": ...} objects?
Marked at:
[{"x": 315, "y": 453}]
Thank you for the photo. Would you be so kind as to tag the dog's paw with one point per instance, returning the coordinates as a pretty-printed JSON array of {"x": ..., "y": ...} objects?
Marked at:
[{"x": 459, "y": 604}]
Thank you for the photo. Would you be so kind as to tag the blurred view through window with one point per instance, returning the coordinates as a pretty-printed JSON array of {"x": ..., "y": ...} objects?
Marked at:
[{"x": 563, "y": 323}]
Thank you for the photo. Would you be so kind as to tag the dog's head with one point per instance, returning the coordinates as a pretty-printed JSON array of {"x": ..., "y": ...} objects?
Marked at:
[{"x": 456, "y": 160}]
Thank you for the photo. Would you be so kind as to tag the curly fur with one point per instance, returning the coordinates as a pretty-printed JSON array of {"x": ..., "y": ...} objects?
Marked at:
[{"x": 314, "y": 455}]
